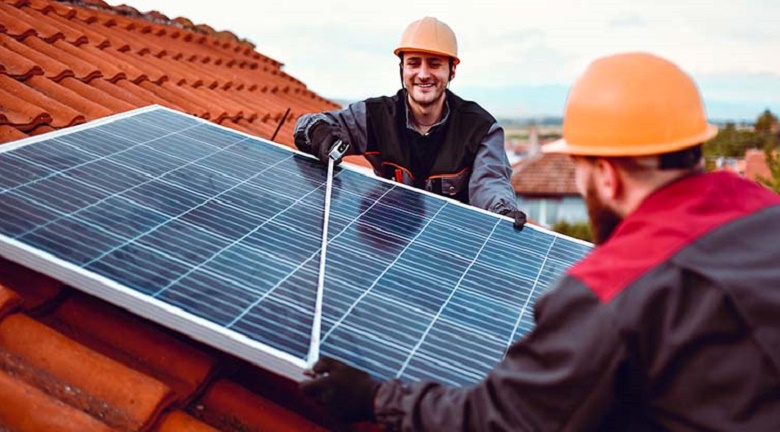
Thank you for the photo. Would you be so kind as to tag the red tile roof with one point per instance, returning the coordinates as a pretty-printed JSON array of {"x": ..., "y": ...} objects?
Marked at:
[
  {"x": 545, "y": 174},
  {"x": 756, "y": 166},
  {"x": 70, "y": 362}
]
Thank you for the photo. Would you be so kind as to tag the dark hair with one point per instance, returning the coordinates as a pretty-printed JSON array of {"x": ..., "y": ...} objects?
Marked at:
[{"x": 401, "y": 66}]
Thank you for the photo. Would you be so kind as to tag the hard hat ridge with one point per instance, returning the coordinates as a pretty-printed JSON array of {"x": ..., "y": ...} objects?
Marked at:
[{"x": 429, "y": 35}]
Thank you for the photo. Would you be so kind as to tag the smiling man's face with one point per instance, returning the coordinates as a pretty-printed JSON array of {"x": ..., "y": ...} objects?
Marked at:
[{"x": 426, "y": 77}]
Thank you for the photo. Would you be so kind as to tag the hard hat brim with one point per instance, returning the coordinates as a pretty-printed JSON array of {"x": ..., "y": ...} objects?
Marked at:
[
  {"x": 617, "y": 150},
  {"x": 455, "y": 59}
]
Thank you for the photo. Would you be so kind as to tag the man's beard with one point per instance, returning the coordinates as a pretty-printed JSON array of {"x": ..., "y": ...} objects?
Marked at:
[{"x": 603, "y": 220}]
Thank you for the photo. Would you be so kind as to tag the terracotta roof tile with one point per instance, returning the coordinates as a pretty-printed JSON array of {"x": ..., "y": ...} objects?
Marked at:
[
  {"x": 46, "y": 6},
  {"x": 52, "y": 68},
  {"x": 136, "y": 98},
  {"x": 133, "y": 342},
  {"x": 232, "y": 408},
  {"x": 111, "y": 67},
  {"x": 10, "y": 133},
  {"x": 17, "y": 66},
  {"x": 9, "y": 300},
  {"x": 41, "y": 129},
  {"x": 33, "y": 107},
  {"x": 121, "y": 397},
  {"x": 82, "y": 32},
  {"x": 81, "y": 69},
  {"x": 548, "y": 174},
  {"x": 24, "y": 407},
  {"x": 756, "y": 166},
  {"x": 20, "y": 113},
  {"x": 45, "y": 31},
  {"x": 70, "y": 98},
  {"x": 178, "y": 421},
  {"x": 115, "y": 105}
]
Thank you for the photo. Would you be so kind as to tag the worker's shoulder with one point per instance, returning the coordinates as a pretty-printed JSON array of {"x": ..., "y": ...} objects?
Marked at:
[{"x": 468, "y": 107}]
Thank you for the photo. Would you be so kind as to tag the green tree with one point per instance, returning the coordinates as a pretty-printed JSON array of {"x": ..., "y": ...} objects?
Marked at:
[
  {"x": 773, "y": 162},
  {"x": 580, "y": 230},
  {"x": 732, "y": 142},
  {"x": 765, "y": 122}
]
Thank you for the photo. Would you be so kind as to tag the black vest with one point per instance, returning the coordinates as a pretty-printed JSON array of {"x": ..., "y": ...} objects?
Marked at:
[{"x": 455, "y": 145}]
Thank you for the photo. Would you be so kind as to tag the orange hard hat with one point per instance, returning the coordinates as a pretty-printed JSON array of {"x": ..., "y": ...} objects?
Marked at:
[
  {"x": 429, "y": 35},
  {"x": 633, "y": 104}
]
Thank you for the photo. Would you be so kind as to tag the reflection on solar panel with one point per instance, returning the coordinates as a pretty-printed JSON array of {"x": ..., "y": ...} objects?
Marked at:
[{"x": 217, "y": 234}]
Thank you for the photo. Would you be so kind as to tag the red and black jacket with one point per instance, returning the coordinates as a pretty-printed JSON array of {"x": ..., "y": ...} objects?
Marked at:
[{"x": 672, "y": 324}]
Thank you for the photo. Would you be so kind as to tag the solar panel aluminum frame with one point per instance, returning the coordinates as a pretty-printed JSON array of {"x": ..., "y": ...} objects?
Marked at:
[{"x": 163, "y": 313}]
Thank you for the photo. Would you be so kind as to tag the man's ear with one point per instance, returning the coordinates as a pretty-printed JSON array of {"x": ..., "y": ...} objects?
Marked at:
[
  {"x": 608, "y": 179},
  {"x": 452, "y": 72}
]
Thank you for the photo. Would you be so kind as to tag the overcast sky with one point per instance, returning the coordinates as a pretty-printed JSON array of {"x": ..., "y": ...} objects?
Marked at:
[{"x": 518, "y": 58}]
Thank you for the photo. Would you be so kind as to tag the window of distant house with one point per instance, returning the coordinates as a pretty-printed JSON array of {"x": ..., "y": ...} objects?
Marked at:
[{"x": 547, "y": 210}]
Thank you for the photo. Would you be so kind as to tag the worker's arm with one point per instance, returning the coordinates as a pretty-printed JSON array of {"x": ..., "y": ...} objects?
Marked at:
[
  {"x": 560, "y": 377},
  {"x": 490, "y": 186}
]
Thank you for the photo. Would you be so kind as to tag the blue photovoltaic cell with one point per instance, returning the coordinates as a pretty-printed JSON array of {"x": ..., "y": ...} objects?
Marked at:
[{"x": 227, "y": 228}]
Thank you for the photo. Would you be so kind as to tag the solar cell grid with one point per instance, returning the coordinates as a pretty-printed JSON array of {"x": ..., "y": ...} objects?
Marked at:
[{"x": 217, "y": 234}]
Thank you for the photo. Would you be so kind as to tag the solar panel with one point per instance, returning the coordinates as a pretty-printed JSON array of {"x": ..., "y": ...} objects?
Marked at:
[{"x": 217, "y": 234}]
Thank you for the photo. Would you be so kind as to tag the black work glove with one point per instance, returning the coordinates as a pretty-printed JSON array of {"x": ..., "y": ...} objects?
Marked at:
[
  {"x": 517, "y": 215},
  {"x": 322, "y": 136},
  {"x": 345, "y": 392}
]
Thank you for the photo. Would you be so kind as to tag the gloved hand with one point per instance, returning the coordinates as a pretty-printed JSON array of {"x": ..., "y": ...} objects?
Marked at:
[
  {"x": 322, "y": 135},
  {"x": 345, "y": 392},
  {"x": 517, "y": 215}
]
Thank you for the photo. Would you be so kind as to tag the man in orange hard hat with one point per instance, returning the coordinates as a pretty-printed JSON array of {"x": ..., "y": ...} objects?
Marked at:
[
  {"x": 425, "y": 136},
  {"x": 671, "y": 323}
]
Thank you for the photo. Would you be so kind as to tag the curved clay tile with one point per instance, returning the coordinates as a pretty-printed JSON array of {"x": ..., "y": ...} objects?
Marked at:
[
  {"x": 36, "y": 107},
  {"x": 45, "y": 6},
  {"x": 71, "y": 34},
  {"x": 120, "y": 396},
  {"x": 17, "y": 66},
  {"x": 42, "y": 129},
  {"x": 120, "y": 335},
  {"x": 115, "y": 105},
  {"x": 19, "y": 112},
  {"x": 98, "y": 3},
  {"x": 11, "y": 15},
  {"x": 118, "y": 92},
  {"x": 91, "y": 36},
  {"x": 229, "y": 406},
  {"x": 68, "y": 97},
  {"x": 82, "y": 70},
  {"x": 8, "y": 133},
  {"x": 19, "y": 399},
  {"x": 108, "y": 67},
  {"x": 178, "y": 421},
  {"x": 185, "y": 102},
  {"x": 18, "y": 29}
]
